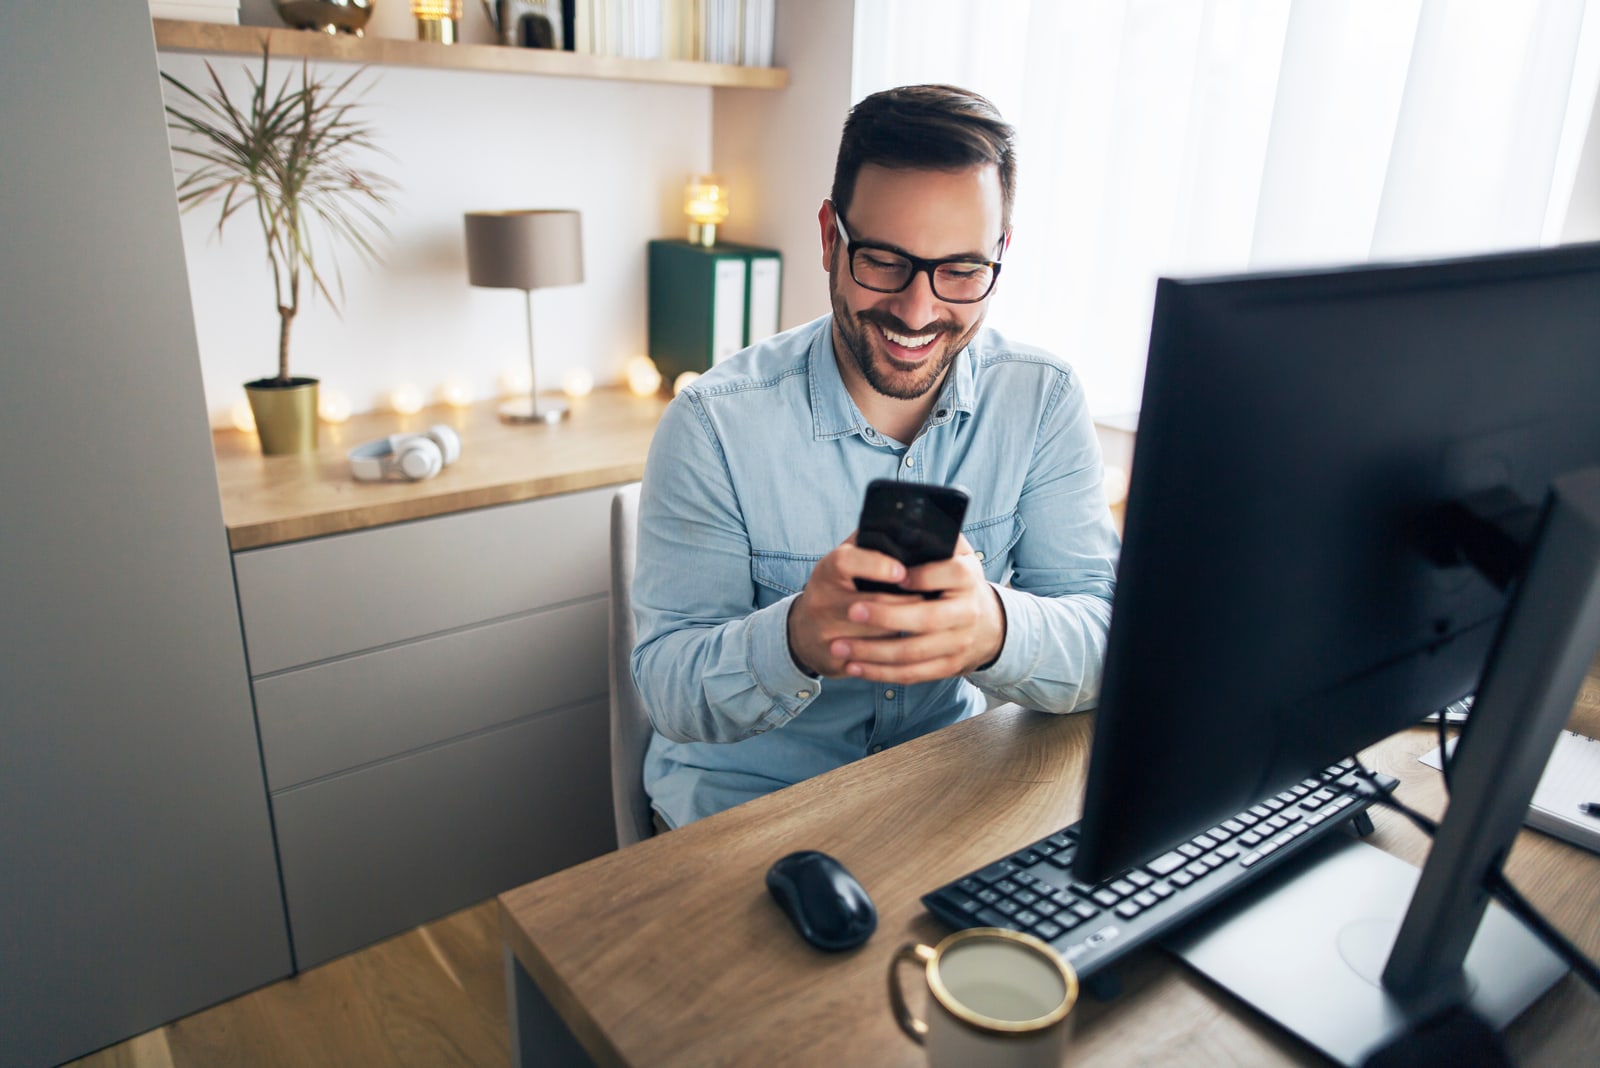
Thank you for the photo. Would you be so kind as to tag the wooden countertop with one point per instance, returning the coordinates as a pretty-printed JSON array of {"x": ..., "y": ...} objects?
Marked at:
[{"x": 268, "y": 500}]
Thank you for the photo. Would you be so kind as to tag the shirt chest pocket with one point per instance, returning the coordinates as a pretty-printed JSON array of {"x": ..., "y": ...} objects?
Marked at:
[
  {"x": 992, "y": 540},
  {"x": 778, "y": 575}
]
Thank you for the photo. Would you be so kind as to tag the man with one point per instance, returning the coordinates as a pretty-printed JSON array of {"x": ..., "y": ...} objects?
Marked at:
[{"x": 758, "y": 660}]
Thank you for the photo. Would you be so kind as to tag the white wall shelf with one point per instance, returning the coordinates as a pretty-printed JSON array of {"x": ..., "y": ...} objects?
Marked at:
[{"x": 174, "y": 35}]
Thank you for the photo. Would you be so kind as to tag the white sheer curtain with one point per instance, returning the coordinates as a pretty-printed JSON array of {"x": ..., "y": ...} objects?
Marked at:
[{"x": 1201, "y": 136}]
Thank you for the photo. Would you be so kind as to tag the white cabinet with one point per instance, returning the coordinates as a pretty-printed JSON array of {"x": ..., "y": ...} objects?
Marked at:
[{"x": 432, "y": 703}]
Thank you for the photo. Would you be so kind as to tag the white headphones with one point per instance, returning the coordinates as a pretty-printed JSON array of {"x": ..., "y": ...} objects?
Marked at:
[{"x": 406, "y": 456}]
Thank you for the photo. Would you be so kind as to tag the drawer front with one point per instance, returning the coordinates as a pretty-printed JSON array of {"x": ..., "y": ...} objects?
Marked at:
[
  {"x": 333, "y": 596},
  {"x": 324, "y": 719},
  {"x": 383, "y": 849}
]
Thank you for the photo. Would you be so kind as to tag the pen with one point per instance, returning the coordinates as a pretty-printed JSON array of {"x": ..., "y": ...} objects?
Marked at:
[{"x": 1591, "y": 808}]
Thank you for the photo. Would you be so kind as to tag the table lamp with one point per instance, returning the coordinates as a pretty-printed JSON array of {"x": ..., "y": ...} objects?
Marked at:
[{"x": 525, "y": 250}]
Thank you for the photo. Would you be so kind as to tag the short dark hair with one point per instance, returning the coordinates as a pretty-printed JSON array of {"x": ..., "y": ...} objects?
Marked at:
[{"x": 931, "y": 127}]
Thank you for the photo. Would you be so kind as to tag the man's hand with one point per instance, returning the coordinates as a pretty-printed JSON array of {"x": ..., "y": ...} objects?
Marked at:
[{"x": 837, "y": 631}]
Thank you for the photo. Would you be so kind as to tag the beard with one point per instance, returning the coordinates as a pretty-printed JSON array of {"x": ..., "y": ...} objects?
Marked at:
[{"x": 864, "y": 346}]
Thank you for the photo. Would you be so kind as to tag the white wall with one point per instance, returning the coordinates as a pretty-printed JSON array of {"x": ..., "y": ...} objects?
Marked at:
[
  {"x": 462, "y": 141},
  {"x": 777, "y": 149}
]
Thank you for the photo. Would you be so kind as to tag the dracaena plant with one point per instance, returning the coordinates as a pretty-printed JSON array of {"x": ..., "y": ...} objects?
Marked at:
[{"x": 292, "y": 153}]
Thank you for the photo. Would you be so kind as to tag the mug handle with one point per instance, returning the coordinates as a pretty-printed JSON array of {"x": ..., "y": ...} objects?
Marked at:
[{"x": 914, "y": 954}]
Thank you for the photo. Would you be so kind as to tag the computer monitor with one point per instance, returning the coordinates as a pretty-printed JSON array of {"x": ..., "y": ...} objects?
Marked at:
[{"x": 1318, "y": 455}]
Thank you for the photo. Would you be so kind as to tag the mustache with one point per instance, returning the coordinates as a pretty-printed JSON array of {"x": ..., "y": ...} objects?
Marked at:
[{"x": 880, "y": 318}]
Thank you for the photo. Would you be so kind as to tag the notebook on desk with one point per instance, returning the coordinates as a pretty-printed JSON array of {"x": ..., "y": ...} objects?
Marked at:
[{"x": 1571, "y": 779}]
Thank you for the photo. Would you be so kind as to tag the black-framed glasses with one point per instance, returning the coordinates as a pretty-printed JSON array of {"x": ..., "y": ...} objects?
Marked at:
[{"x": 955, "y": 279}]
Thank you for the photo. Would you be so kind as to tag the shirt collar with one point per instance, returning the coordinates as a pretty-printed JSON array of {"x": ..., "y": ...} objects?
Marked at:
[{"x": 834, "y": 413}]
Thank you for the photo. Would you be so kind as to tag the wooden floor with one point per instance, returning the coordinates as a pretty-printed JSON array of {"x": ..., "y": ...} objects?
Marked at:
[{"x": 430, "y": 997}]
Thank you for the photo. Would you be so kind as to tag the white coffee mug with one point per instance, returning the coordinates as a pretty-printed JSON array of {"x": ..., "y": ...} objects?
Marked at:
[{"x": 996, "y": 997}]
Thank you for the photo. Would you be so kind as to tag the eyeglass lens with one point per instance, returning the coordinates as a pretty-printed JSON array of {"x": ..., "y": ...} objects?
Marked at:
[{"x": 889, "y": 272}]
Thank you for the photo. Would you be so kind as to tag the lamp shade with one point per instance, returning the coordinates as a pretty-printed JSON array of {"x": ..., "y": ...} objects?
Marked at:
[{"x": 524, "y": 249}]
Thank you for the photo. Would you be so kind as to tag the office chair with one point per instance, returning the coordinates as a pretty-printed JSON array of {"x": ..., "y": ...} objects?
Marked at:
[{"x": 630, "y": 726}]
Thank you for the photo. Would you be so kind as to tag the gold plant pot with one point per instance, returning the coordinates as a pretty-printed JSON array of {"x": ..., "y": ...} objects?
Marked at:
[{"x": 285, "y": 414}]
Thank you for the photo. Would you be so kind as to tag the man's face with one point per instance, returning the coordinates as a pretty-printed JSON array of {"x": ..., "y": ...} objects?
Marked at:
[{"x": 902, "y": 343}]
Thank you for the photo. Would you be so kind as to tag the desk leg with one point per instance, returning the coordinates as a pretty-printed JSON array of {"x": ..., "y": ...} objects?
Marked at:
[{"x": 539, "y": 1037}]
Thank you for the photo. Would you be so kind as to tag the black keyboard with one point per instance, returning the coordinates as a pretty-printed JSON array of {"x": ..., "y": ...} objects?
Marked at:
[{"x": 1092, "y": 925}]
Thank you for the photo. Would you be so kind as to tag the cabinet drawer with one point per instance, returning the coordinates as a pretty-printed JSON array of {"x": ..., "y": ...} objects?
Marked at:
[
  {"x": 323, "y": 719},
  {"x": 337, "y": 595},
  {"x": 380, "y": 850}
]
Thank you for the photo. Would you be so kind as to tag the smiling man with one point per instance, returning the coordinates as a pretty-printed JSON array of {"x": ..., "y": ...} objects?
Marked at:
[{"x": 759, "y": 661}]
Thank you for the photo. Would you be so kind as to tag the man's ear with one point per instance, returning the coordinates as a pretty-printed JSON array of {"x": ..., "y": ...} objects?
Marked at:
[{"x": 830, "y": 235}]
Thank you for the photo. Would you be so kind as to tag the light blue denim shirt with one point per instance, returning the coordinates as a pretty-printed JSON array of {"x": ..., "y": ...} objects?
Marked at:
[{"x": 758, "y": 469}]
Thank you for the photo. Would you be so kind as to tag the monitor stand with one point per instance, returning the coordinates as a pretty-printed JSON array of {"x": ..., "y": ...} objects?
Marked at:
[{"x": 1307, "y": 948}]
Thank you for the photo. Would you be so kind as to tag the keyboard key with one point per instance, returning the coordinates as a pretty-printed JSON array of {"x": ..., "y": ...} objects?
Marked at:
[
  {"x": 1123, "y": 888},
  {"x": 995, "y": 872},
  {"x": 1026, "y": 859},
  {"x": 970, "y": 885},
  {"x": 1139, "y": 878},
  {"x": 1260, "y": 812},
  {"x": 1023, "y": 878},
  {"x": 1247, "y": 818},
  {"x": 1062, "y": 858},
  {"x": 1145, "y": 898},
  {"x": 1046, "y": 907},
  {"x": 1162, "y": 890},
  {"x": 1249, "y": 859},
  {"x": 1106, "y": 896},
  {"x": 1196, "y": 868},
  {"x": 1025, "y": 897},
  {"x": 1190, "y": 850},
  {"x": 1048, "y": 930},
  {"x": 1007, "y": 908},
  {"x": 1007, "y": 887},
  {"x": 1232, "y": 826},
  {"x": 1085, "y": 910},
  {"x": 1180, "y": 878},
  {"x": 1204, "y": 841},
  {"x": 988, "y": 896},
  {"x": 1167, "y": 862},
  {"x": 1221, "y": 833},
  {"x": 1027, "y": 918},
  {"x": 1129, "y": 909}
]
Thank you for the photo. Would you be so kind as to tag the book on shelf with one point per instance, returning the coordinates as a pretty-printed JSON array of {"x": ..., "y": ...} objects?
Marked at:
[
  {"x": 737, "y": 32},
  {"x": 1570, "y": 781}
]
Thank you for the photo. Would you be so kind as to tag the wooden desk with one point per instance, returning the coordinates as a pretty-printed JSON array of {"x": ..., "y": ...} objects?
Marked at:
[{"x": 671, "y": 953}]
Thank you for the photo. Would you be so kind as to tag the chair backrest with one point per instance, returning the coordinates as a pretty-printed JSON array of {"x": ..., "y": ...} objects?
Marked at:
[{"x": 630, "y": 726}]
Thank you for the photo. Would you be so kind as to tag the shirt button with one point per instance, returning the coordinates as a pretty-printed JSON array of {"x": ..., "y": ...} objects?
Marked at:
[
  {"x": 802, "y": 694},
  {"x": 978, "y": 553},
  {"x": 888, "y": 695},
  {"x": 910, "y": 462},
  {"x": 877, "y": 749}
]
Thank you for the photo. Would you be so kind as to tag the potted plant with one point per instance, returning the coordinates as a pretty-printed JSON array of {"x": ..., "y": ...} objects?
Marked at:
[{"x": 290, "y": 152}]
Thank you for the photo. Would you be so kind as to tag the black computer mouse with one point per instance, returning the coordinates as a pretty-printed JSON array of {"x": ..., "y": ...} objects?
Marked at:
[{"x": 822, "y": 899}]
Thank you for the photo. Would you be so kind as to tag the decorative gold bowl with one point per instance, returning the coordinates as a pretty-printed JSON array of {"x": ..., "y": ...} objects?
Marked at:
[{"x": 328, "y": 16}]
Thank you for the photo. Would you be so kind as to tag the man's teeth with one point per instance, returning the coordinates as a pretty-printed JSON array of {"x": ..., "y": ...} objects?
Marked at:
[{"x": 912, "y": 341}]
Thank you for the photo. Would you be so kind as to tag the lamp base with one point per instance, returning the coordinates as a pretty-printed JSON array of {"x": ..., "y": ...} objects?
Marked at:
[{"x": 526, "y": 410}]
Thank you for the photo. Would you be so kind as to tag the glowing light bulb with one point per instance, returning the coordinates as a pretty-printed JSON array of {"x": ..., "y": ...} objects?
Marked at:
[
  {"x": 1116, "y": 484},
  {"x": 643, "y": 378},
  {"x": 242, "y": 417},
  {"x": 578, "y": 382},
  {"x": 516, "y": 381},
  {"x": 683, "y": 380},
  {"x": 333, "y": 406},
  {"x": 456, "y": 393},
  {"x": 406, "y": 399}
]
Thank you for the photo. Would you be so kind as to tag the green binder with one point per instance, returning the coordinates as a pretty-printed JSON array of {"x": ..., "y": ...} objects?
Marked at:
[{"x": 707, "y": 303}]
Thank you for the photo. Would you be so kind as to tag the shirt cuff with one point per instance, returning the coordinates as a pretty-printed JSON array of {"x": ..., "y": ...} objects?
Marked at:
[
  {"x": 1020, "y": 645},
  {"x": 773, "y": 666}
]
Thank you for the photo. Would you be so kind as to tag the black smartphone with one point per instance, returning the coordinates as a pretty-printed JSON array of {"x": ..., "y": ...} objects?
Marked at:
[{"x": 914, "y": 522}]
